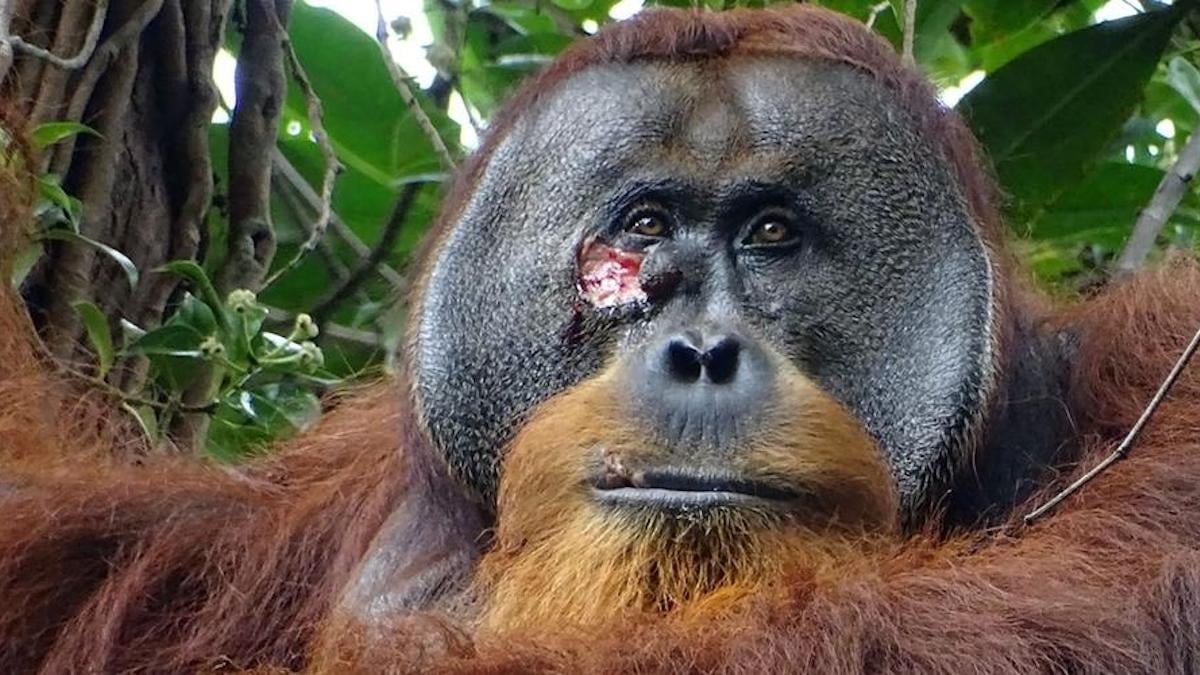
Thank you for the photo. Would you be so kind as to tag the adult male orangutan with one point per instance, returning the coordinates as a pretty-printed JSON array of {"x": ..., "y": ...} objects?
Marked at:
[{"x": 718, "y": 362}]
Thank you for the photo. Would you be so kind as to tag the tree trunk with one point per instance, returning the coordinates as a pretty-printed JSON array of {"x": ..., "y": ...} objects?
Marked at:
[{"x": 144, "y": 83}]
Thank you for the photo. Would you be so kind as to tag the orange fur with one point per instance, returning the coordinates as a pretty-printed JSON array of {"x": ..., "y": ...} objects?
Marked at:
[
  {"x": 555, "y": 545},
  {"x": 1109, "y": 583},
  {"x": 175, "y": 566}
]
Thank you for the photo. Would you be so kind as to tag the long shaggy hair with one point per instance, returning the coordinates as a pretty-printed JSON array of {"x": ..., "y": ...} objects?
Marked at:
[
  {"x": 1109, "y": 583},
  {"x": 554, "y": 545},
  {"x": 169, "y": 565}
]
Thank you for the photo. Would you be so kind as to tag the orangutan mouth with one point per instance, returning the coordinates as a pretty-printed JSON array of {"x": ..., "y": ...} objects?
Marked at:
[{"x": 680, "y": 489}]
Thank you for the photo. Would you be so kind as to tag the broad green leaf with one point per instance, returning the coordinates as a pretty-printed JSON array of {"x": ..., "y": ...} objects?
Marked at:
[
  {"x": 368, "y": 123},
  {"x": 194, "y": 313},
  {"x": 523, "y": 19},
  {"x": 98, "y": 333},
  {"x": 278, "y": 345},
  {"x": 992, "y": 20},
  {"x": 232, "y": 436},
  {"x": 169, "y": 340},
  {"x": 1094, "y": 217},
  {"x": 1185, "y": 79},
  {"x": 244, "y": 329},
  {"x": 53, "y": 196},
  {"x": 23, "y": 262},
  {"x": 174, "y": 352},
  {"x": 1109, "y": 199},
  {"x": 1049, "y": 114},
  {"x": 247, "y": 420},
  {"x": 127, "y": 266},
  {"x": 364, "y": 205},
  {"x": 45, "y": 135},
  {"x": 195, "y": 274},
  {"x": 283, "y": 407}
]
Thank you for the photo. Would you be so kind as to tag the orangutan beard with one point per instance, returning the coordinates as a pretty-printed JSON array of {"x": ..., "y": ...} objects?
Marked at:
[{"x": 563, "y": 559}]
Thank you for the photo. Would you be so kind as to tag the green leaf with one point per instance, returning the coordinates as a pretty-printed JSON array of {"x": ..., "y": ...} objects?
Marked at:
[
  {"x": 1093, "y": 218},
  {"x": 932, "y": 20},
  {"x": 195, "y": 314},
  {"x": 171, "y": 339},
  {"x": 195, "y": 274},
  {"x": 1049, "y": 114},
  {"x": 146, "y": 419},
  {"x": 245, "y": 326},
  {"x": 575, "y": 5},
  {"x": 369, "y": 125},
  {"x": 98, "y": 333},
  {"x": 174, "y": 353},
  {"x": 991, "y": 20},
  {"x": 127, "y": 266},
  {"x": 1185, "y": 79},
  {"x": 1108, "y": 199},
  {"x": 23, "y": 262},
  {"x": 52, "y": 196},
  {"x": 45, "y": 135},
  {"x": 130, "y": 332},
  {"x": 247, "y": 420}
]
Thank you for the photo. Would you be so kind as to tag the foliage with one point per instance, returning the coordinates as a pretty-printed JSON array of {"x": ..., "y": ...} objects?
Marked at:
[{"x": 1081, "y": 118}]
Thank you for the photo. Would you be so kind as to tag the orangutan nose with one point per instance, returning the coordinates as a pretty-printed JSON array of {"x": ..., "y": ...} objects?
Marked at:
[
  {"x": 697, "y": 386},
  {"x": 689, "y": 358}
]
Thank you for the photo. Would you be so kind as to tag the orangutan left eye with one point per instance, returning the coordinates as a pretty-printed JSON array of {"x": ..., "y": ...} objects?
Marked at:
[{"x": 772, "y": 231}]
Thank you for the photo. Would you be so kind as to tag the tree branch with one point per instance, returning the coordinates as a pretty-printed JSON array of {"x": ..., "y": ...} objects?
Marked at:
[
  {"x": 82, "y": 91},
  {"x": 1130, "y": 438},
  {"x": 6, "y": 48},
  {"x": 300, "y": 214},
  {"x": 12, "y": 43},
  {"x": 261, "y": 88},
  {"x": 401, "y": 80},
  {"x": 284, "y": 169},
  {"x": 876, "y": 9},
  {"x": 910, "y": 30},
  {"x": 332, "y": 166},
  {"x": 1166, "y": 199},
  {"x": 387, "y": 239}
]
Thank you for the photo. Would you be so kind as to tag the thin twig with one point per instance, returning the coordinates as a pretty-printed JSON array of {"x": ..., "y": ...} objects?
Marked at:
[
  {"x": 85, "y": 51},
  {"x": 332, "y": 166},
  {"x": 1123, "y": 449},
  {"x": 299, "y": 214},
  {"x": 292, "y": 177},
  {"x": 876, "y": 9},
  {"x": 84, "y": 86},
  {"x": 1154, "y": 217},
  {"x": 910, "y": 30},
  {"x": 284, "y": 169},
  {"x": 6, "y": 50},
  {"x": 401, "y": 80},
  {"x": 383, "y": 247},
  {"x": 333, "y": 330}
]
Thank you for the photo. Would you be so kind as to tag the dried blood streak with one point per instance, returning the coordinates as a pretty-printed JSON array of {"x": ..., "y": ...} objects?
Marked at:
[{"x": 608, "y": 277}]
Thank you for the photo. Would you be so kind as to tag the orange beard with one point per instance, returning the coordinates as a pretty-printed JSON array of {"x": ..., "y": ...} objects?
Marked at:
[{"x": 561, "y": 559}]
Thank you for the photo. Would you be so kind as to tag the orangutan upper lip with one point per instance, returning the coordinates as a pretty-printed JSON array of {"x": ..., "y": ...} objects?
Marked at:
[{"x": 676, "y": 487}]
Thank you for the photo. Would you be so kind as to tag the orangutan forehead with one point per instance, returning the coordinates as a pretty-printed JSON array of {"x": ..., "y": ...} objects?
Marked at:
[{"x": 751, "y": 113}]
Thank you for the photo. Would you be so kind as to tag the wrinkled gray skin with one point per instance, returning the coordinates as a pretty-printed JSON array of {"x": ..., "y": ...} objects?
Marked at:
[{"x": 887, "y": 302}]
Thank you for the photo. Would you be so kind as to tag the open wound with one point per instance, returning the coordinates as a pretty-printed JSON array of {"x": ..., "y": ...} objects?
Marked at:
[{"x": 608, "y": 276}]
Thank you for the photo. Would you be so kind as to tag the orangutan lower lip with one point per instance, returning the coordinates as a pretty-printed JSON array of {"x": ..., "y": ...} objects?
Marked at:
[
  {"x": 676, "y": 488},
  {"x": 667, "y": 499}
]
